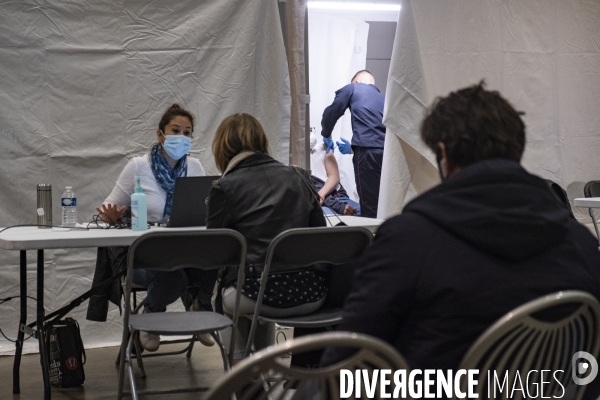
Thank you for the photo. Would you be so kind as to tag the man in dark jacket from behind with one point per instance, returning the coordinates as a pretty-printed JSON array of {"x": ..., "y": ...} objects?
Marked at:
[{"x": 488, "y": 239}]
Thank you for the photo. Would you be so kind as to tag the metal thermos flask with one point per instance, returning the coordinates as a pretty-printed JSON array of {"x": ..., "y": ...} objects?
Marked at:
[{"x": 44, "y": 206}]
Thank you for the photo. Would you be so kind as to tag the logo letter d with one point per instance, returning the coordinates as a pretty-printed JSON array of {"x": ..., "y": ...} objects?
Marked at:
[{"x": 581, "y": 367}]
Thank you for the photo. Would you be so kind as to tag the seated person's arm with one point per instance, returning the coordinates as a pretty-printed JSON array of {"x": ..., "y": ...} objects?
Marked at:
[
  {"x": 117, "y": 201},
  {"x": 333, "y": 176}
]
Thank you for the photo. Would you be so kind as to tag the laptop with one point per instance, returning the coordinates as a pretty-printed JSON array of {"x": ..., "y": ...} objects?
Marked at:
[{"x": 190, "y": 201}]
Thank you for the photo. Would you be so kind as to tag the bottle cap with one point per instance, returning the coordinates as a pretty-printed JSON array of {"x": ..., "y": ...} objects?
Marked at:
[{"x": 68, "y": 187}]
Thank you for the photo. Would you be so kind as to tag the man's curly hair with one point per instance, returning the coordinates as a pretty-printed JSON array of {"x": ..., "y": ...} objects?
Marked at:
[{"x": 475, "y": 125}]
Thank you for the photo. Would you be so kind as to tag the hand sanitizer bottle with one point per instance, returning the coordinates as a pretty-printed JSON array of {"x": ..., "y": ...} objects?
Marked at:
[{"x": 139, "y": 212}]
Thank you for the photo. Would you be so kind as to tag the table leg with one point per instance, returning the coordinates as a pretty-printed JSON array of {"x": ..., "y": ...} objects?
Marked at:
[
  {"x": 22, "y": 322},
  {"x": 40, "y": 324}
]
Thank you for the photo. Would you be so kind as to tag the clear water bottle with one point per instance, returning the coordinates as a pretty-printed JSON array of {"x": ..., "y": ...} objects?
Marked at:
[{"x": 69, "y": 207}]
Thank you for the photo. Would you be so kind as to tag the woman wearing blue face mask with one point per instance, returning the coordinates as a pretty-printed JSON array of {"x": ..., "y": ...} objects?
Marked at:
[{"x": 167, "y": 160}]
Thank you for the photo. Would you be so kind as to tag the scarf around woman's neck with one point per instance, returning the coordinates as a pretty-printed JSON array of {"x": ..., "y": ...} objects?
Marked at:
[{"x": 165, "y": 176}]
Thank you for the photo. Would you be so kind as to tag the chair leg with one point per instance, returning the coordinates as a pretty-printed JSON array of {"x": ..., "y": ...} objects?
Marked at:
[
  {"x": 138, "y": 355},
  {"x": 226, "y": 365},
  {"x": 130, "y": 367},
  {"x": 191, "y": 346},
  {"x": 121, "y": 363}
]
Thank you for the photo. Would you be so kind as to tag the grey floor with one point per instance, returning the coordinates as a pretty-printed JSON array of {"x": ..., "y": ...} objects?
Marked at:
[{"x": 169, "y": 373}]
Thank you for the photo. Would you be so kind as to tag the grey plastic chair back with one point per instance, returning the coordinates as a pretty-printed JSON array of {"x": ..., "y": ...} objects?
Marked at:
[
  {"x": 203, "y": 249},
  {"x": 592, "y": 189},
  {"x": 300, "y": 248},
  {"x": 543, "y": 334},
  {"x": 265, "y": 375}
]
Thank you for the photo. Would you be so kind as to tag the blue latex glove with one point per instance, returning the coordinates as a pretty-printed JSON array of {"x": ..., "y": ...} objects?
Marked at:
[
  {"x": 329, "y": 142},
  {"x": 345, "y": 147}
]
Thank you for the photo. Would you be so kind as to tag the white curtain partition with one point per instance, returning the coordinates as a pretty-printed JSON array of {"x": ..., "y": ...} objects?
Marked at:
[
  {"x": 337, "y": 50},
  {"x": 542, "y": 55},
  {"x": 82, "y": 87}
]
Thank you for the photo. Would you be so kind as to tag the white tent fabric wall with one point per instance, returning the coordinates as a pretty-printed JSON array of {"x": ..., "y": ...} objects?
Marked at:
[
  {"x": 337, "y": 49},
  {"x": 407, "y": 163},
  {"x": 82, "y": 88},
  {"x": 543, "y": 56}
]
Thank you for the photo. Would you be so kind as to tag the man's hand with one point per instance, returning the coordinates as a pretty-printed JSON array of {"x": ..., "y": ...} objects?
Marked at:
[
  {"x": 349, "y": 210},
  {"x": 110, "y": 213},
  {"x": 344, "y": 146},
  {"x": 329, "y": 142}
]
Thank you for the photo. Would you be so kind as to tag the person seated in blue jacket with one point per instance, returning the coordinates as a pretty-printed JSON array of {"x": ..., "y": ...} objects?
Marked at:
[
  {"x": 488, "y": 239},
  {"x": 325, "y": 176}
]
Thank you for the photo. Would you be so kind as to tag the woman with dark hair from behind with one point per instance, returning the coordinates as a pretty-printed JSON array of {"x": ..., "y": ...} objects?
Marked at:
[
  {"x": 167, "y": 160},
  {"x": 260, "y": 198}
]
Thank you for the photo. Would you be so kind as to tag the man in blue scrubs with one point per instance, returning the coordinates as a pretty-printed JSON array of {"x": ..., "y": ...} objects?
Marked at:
[{"x": 368, "y": 135}]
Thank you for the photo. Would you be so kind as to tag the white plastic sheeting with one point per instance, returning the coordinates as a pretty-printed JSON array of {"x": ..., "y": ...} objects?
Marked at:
[
  {"x": 337, "y": 50},
  {"x": 542, "y": 55},
  {"x": 82, "y": 87},
  {"x": 407, "y": 163}
]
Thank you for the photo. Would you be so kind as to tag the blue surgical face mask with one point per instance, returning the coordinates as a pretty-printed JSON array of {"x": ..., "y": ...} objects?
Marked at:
[{"x": 177, "y": 146}]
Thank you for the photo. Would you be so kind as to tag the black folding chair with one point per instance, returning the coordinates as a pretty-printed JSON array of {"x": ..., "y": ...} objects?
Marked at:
[
  {"x": 302, "y": 248},
  {"x": 560, "y": 193},
  {"x": 169, "y": 251}
]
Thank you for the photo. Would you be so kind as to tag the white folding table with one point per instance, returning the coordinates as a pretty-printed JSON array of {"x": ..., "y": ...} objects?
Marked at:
[
  {"x": 591, "y": 203},
  {"x": 34, "y": 238},
  {"x": 370, "y": 223}
]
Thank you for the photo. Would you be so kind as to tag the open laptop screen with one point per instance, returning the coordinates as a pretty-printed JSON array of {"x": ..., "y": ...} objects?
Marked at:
[{"x": 190, "y": 201}]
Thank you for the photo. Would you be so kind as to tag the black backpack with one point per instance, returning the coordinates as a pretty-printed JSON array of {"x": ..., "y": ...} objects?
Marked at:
[{"x": 66, "y": 354}]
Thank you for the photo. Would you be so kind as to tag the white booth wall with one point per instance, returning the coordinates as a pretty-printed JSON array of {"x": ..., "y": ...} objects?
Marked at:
[
  {"x": 82, "y": 87},
  {"x": 542, "y": 55},
  {"x": 337, "y": 47}
]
